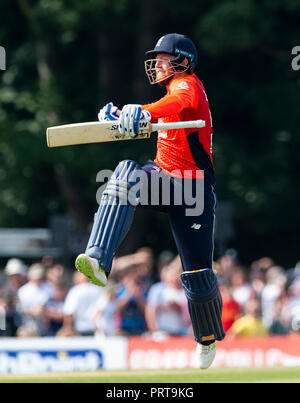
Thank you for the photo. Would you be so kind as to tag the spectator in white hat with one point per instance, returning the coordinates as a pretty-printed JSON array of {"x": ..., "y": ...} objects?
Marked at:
[
  {"x": 33, "y": 297},
  {"x": 15, "y": 271}
]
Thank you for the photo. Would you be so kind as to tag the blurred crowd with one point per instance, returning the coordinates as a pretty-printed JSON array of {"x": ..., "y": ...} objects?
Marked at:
[{"x": 144, "y": 295}]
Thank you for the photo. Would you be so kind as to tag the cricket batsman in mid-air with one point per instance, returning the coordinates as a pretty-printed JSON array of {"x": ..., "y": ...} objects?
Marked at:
[{"x": 170, "y": 64}]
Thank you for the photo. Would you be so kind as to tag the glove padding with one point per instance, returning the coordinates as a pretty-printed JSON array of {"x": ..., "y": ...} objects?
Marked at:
[
  {"x": 130, "y": 118},
  {"x": 109, "y": 112}
]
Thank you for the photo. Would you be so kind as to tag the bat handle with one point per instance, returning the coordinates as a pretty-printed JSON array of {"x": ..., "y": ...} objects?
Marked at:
[{"x": 177, "y": 125}]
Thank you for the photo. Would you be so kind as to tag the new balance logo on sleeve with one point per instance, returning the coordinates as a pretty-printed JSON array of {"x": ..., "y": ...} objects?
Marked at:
[
  {"x": 182, "y": 86},
  {"x": 196, "y": 226}
]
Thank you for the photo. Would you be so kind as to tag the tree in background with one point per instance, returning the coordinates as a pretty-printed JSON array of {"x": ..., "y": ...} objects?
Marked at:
[{"x": 65, "y": 59}]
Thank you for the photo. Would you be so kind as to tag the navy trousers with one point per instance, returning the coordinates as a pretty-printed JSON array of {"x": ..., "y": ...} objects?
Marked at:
[{"x": 193, "y": 235}]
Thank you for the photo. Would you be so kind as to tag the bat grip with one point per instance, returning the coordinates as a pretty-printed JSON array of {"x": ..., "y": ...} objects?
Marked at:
[{"x": 177, "y": 125}]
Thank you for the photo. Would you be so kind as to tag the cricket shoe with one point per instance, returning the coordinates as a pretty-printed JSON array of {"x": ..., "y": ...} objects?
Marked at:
[
  {"x": 205, "y": 354},
  {"x": 91, "y": 269}
]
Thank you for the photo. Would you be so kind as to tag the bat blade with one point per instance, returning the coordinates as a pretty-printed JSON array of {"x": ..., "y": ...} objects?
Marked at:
[
  {"x": 101, "y": 132},
  {"x": 85, "y": 133}
]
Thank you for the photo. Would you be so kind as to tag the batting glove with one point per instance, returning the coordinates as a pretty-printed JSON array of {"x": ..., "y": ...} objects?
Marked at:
[
  {"x": 130, "y": 118},
  {"x": 109, "y": 112}
]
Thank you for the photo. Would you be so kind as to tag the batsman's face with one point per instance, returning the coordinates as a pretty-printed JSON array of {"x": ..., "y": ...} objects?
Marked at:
[{"x": 163, "y": 66}]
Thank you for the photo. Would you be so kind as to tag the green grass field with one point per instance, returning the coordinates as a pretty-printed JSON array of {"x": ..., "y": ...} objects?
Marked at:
[{"x": 223, "y": 375}]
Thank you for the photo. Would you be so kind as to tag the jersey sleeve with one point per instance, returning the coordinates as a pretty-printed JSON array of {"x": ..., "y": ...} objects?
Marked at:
[{"x": 182, "y": 95}]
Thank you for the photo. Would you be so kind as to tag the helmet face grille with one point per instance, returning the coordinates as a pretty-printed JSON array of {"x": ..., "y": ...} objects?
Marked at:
[{"x": 151, "y": 70}]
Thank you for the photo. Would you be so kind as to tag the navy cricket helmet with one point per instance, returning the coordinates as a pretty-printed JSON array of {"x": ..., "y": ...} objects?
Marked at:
[{"x": 180, "y": 47}]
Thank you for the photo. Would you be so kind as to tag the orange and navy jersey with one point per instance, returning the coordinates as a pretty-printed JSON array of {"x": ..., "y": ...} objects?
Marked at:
[{"x": 184, "y": 149}]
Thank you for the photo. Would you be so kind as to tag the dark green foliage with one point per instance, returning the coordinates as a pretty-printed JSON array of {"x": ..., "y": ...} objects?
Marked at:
[{"x": 67, "y": 58}]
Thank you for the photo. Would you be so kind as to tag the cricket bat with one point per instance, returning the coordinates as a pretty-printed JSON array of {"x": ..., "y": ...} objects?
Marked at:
[{"x": 100, "y": 132}]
